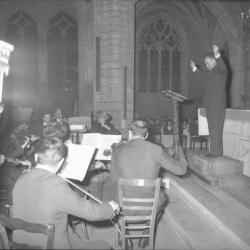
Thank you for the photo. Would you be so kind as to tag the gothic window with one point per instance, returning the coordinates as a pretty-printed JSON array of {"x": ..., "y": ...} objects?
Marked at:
[
  {"x": 62, "y": 42},
  {"x": 21, "y": 31},
  {"x": 159, "y": 58}
]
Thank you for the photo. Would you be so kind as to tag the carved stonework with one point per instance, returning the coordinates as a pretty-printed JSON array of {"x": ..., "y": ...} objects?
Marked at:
[{"x": 5, "y": 50}]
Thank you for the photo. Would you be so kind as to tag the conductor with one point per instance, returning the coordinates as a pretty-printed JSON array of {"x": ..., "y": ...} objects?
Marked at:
[{"x": 214, "y": 97}]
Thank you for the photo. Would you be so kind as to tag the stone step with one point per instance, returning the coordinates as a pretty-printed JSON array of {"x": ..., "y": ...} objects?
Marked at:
[
  {"x": 222, "y": 181},
  {"x": 192, "y": 227},
  {"x": 199, "y": 214},
  {"x": 167, "y": 238},
  {"x": 221, "y": 166}
]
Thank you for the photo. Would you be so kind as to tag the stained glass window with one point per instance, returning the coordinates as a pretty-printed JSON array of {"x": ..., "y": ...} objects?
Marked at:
[
  {"x": 159, "y": 58},
  {"x": 62, "y": 39},
  {"x": 21, "y": 31}
]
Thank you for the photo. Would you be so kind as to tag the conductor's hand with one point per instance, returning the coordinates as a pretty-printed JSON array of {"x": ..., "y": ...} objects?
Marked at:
[
  {"x": 115, "y": 207},
  {"x": 216, "y": 51},
  {"x": 99, "y": 165},
  {"x": 192, "y": 65}
]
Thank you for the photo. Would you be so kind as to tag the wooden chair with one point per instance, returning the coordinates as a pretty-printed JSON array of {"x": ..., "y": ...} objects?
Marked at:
[
  {"x": 3, "y": 193},
  {"x": 194, "y": 137},
  {"x": 8, "y": 225},
  {"x": 139, "y": 213}
]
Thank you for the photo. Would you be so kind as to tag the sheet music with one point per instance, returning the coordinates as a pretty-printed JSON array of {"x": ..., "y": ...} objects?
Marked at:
[
  {"x": 80, "y": 120},
  {"x": 77, "y": 162},
  {"x": 102, "y": 142},
  {"x": 202, "y": 122},
  {"x": 77, "y": 127}
]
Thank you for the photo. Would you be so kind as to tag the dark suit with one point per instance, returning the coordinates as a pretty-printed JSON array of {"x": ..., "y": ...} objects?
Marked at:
[
  {"x": 141, "y": 159},
  {"x": 96, "y": 127},
  {"x": 214, "y": 100},
  {"x": 42, "y": 197}
]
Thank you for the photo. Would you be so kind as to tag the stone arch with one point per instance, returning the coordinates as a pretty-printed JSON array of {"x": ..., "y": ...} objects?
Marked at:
[
  {"x": 146, "y": 18},
  {"x": 62, "y": 60},
  {"x": 183, "y": 41},
  {"x": 32, "y": 12},
  {"x": 61, "y": 8}
]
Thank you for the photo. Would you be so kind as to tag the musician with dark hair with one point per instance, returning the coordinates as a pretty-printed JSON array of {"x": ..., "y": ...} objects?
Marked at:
[
  {"x": 103, "y": 124},
  {"x": 41, "y": 196}
]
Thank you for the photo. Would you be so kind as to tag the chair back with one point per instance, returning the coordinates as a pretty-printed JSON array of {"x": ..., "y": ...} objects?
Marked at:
[
  {"x": 8, "y": 225},
  {"x": 138, "y": 199}
]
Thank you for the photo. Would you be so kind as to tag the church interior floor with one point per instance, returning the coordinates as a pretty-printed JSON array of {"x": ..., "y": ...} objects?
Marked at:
[{"x": 195, "y": 214}]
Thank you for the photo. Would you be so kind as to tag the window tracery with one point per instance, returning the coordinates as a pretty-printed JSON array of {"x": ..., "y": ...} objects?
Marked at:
[
  {"x": 62, "y": 42},
  {"x": 159, "y": 58}
]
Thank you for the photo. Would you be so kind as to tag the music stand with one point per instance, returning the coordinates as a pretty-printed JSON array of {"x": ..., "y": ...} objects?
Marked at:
[{"x": 176, "y": 99}]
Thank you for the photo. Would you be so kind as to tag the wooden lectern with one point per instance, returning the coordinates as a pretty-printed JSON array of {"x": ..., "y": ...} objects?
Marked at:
[{"x": 176, "y": 98}]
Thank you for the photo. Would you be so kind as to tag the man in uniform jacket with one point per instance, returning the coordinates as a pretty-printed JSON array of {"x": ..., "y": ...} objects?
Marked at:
[
  {"x": 41, "y": 196},
  {"x": 141, "y": 159},
  {"x": 214, "y": 97}
]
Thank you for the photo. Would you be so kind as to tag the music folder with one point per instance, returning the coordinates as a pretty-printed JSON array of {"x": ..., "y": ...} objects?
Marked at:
[
  {"x": 77, "y": 161},
  {"x": 102, "y": 143}
]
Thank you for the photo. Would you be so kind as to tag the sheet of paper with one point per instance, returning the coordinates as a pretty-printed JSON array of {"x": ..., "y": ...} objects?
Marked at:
[
  {"x": 80, "y": 120},
  {"x": 77, "y": 162},
  {"x": 103, "y": 143},
  {"x": 104, "y": 152},
  {"x": 202, "y": 122}
]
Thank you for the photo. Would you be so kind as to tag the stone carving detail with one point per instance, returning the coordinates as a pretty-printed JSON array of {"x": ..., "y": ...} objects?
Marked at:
[{"x": 5, "y": 50}]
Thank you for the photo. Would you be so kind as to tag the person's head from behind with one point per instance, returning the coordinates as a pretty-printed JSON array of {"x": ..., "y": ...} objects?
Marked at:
[
  {"x": 51, "y": 152},
  {"x": 19, "y": 126},
  {"x": 46, "y": 118},
  {"x": 55, "y": 129},
  {"x": 137, "y": 129},
  {"x": 210, "y": 61}
]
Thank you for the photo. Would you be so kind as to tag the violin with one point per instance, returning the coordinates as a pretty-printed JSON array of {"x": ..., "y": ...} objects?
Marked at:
[{"x": 16, "y": 162}]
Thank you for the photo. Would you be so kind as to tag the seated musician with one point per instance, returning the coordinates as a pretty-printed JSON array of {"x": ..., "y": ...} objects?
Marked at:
[
  {"x": 103, "y": 124},
  {"x": 19, "y": 144},
  {"x": 41, "y": 196},
  {"x": 58, "y": 116},
  {"x": 37, "y": 124},
  {"x": 141, "y": 159}
]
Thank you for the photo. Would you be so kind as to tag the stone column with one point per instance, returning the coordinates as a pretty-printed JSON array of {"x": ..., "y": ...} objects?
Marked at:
[
  {"x": 85, "y": 57},
  {"x": 42, "y": 55},
  {"x": 114, "y": 24}
]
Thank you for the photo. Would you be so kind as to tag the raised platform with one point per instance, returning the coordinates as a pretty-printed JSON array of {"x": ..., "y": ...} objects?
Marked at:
[
  {"x": 206, "y": 217},
  {"x": 217, "y": 171}
]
